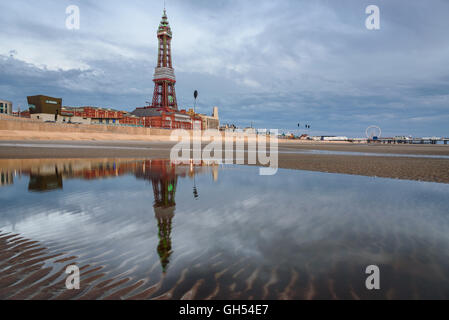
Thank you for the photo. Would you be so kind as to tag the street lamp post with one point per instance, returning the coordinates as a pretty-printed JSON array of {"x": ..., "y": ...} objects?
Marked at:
[{"x": 195, "y": 96}]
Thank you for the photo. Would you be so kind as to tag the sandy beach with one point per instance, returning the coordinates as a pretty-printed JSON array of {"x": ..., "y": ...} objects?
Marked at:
[
  {"x": 224, "y": 157},
  {"x": 37, "y": 272},
  {"x": 410, "y": 162}
]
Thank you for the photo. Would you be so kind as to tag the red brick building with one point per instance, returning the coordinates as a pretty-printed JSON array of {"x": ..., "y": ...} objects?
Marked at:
[
  {"x": 131, "y": 120},
  {"x": 22, "y": 114},
  {"x": 166, "y": 119}
]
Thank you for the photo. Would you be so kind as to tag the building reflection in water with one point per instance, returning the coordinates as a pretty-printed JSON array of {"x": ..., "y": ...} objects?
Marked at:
[
  {"x": 6, "y": 178},
  {"x": 45, "y": 180},
  {"x": 163, "y": 175}
]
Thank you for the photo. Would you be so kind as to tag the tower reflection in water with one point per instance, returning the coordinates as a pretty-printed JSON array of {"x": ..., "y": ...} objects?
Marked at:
[
  {"x": 164, "y": 180},
  {"x": 163, "y": 174}
]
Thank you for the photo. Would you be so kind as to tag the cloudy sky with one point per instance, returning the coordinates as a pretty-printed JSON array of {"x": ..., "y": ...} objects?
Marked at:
[{"x": 275, "y": 63}]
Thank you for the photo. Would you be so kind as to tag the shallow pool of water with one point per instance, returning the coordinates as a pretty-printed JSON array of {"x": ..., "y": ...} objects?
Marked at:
[{"x": 224, "y": 232}]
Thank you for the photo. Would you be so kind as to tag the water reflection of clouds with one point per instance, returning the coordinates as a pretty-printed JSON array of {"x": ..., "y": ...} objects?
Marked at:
[
  {"x": 305, "y": 213},
  {"x": 114, "y": 214},
  {"x": 296, "y": 219}
]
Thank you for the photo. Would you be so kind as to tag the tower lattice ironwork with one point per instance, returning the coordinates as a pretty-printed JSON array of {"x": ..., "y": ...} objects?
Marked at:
[{"x": 164, "y": 79}]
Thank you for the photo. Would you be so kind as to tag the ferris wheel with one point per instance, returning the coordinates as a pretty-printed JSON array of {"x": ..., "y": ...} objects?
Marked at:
[{"x": 373, "y": 132}]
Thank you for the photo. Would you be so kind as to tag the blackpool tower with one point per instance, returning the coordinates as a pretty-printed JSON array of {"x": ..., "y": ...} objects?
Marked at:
[{"x": 164, "y": 79}]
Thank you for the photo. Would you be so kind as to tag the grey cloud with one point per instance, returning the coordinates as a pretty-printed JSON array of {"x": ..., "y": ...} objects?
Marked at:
[{"x": 274, "y": 63}]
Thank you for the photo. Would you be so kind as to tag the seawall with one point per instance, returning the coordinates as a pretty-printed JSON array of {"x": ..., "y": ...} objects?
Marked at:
[{"x": 13, "y": 128}]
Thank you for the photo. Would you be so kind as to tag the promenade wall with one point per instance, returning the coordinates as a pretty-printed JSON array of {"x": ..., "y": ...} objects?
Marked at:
[{"x": 24, "y": 124}]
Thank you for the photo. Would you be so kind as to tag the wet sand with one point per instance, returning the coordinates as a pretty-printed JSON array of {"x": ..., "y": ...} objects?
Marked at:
[
  {"x": 397, "y": 167},
  {"x": 424, "y": 149},
  {"x": 26, "y": 275},
  {"x": 30, "y": 271}
]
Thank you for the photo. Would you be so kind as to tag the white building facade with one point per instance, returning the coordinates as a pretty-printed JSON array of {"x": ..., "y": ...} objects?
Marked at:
[{"x": 5, "y": 107}]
